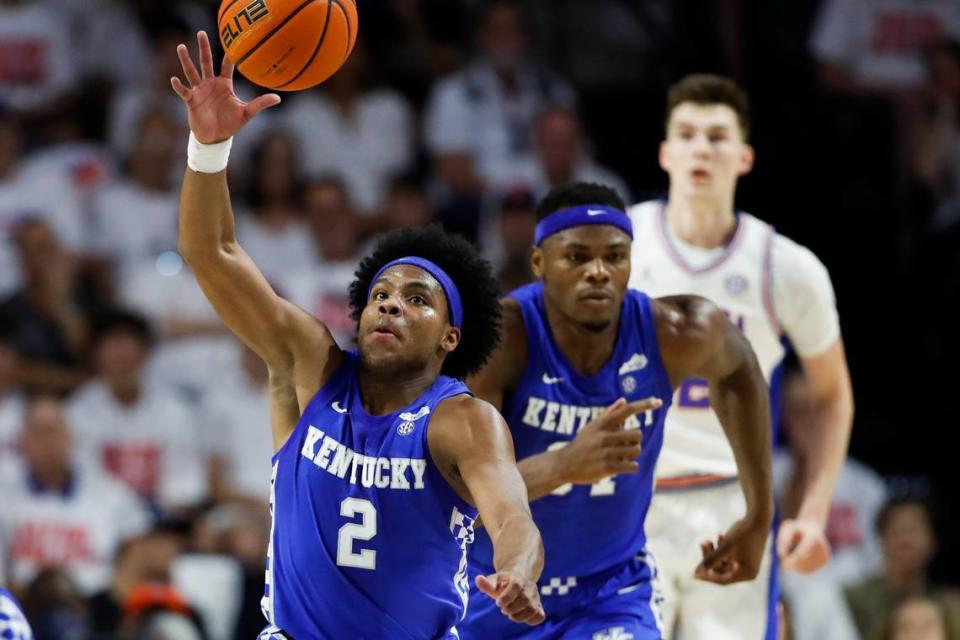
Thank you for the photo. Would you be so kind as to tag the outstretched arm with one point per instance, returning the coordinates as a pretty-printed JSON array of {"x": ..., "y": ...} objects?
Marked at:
[
  {"x": 697, "y": 339},
  {"x": 298, "y": 349},
  {"x": 472, "y": 447}
]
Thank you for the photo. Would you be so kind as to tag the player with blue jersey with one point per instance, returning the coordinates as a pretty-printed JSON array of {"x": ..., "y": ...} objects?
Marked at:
[
  {"x": 13, "y": 624},
  {"x": 383, "y": 459},
  {"x": 575, "y": 342}
]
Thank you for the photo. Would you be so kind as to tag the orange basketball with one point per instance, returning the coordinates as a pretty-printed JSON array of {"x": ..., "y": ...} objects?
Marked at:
[{"x": 288, "y": 45}]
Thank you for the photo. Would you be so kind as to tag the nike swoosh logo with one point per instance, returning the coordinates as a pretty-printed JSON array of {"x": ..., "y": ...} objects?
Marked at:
[
  {"x": 548, "y": 380},
  {"x": 336, "y": 407},
  {"x": 596, "y": 212}
]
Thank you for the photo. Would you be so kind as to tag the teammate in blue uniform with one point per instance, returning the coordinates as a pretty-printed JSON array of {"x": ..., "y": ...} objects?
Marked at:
[
  {"x": 382, "y": 458},
  {"x": 13, "y": 624},
  {"x": 575, "y": 342}
]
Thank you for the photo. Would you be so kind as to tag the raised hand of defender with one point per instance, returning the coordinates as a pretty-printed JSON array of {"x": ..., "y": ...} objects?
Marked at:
[
  {"x": 603, "y": 448},
  {"x": 214, "y": 111},
  {"x": 517, "y": 597},
  {"x": 737, "y": 555}
]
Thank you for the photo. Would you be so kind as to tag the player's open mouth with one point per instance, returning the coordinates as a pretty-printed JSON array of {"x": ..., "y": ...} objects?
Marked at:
[
  {"x": 700, "y": 175},
  {"x": 384, "y": 334}
]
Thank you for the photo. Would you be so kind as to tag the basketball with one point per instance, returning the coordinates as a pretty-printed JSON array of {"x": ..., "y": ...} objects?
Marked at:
[{"x": 287, "y": 45}]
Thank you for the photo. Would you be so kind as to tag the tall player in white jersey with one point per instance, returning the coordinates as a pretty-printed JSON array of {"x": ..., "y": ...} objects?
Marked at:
[{"x": 772, "y": 288}]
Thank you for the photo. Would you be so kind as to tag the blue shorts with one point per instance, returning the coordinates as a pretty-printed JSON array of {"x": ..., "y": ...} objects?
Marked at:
[{"x": 618, "y": 604}]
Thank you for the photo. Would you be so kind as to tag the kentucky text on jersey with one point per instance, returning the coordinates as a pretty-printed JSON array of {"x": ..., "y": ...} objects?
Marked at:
[
  {"x": 567, "y": 419},
  {"x": 369, "y": 471}
]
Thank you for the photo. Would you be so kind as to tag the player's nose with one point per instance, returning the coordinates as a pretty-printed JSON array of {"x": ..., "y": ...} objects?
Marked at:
[
  {"x": 389, "y": 307},
  {"x": 597, "y": 271}
]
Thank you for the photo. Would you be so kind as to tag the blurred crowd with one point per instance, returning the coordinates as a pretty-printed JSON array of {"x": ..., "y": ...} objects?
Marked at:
[{"x": 134, "y": 441}]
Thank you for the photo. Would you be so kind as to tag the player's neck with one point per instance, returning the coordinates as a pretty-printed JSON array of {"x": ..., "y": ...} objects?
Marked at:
[
  {"x": 702, "y": 223},
  {"x": 383, "y": 393},
  {"x": 586, "y": 350}
]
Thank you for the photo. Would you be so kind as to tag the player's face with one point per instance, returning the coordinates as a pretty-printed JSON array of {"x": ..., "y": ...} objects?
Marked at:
[
  {"x": 405, "y": 324},
  {"x": 585, "y": 271},
  {"x": 704, "y": 152}
]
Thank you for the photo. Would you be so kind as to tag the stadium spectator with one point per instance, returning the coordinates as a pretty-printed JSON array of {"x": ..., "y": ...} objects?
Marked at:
[
  {"x": 137, "y": 96},
  {"x": 921, "y": 618},
  {"x": 407, "y": 206},
  {"x": 236, "y": 417},
  {"x": 36, "y": 63},
  {"x": 144, "y": 559},
  {"x": 508, "y": 234},
  {"x": 876, "y": 46},
  {"x": 57, "y": 513},
  {"x": 135, "y": 219},
  {"x": 909, "y": 543},
  {"x": 353, "y": 129},
  {"x": 139, "y": 431},
  {"x": 55, "y": 608},
  {"x": 273, "y": 231},
  {"x": 39, "y": 193},
  {"x": 561, "y": 155},
  {"x": 479, "y": 121},
  {"x": 47, "y": 313},
  {"x": 321, "y": 288}
]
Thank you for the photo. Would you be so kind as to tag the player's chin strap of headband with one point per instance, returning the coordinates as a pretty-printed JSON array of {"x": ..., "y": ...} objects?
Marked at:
[
  {"x": 578, "y": 216},
  {"x": 454, "y": 303}
]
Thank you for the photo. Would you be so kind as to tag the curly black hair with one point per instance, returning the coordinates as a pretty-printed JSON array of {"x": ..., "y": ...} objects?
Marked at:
[
  {"x": 575, "y": 194},
  {"x": 472, "y": 274}
]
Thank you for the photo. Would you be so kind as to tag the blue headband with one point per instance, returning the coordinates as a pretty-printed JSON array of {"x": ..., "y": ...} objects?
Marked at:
[
  {"x": 585, "y": 214},
  {"x": 446, "y": 283}
]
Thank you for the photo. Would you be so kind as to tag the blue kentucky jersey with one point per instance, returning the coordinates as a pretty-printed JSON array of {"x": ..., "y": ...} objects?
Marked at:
[
  {"x": 368, "y": 539},
  {"x": 586, "y": 529},
  {"x": 13, "y": 624}
]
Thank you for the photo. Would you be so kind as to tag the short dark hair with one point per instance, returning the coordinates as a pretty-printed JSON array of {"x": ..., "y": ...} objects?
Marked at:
[
  {"x": 707, "y": 89},
  {"x": 575, "y": 194},
  {"x": 109, "y": 321},
  {"x": 472, "y": 274}
]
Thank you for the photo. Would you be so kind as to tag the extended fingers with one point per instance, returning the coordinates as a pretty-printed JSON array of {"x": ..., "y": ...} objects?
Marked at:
[
  {"x": 226, "y": 67},
  {"x": 206, "y": 55},
  {"x": 189, "y": 69},
  {"x": 179, "y": 88}
]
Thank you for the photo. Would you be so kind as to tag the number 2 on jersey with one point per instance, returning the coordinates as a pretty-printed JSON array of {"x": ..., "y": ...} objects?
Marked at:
[{"x": 366, "y": 529}]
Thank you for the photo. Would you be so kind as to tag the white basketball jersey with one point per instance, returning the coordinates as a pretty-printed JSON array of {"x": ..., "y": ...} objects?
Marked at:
[{"x": 737, "y": 279}]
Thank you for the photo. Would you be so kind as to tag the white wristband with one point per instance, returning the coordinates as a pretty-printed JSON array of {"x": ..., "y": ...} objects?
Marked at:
[{"x": 208, "y": 158}]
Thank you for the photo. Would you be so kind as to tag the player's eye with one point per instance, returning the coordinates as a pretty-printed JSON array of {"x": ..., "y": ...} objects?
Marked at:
[
  {"x": 379, "y": 295},
  {"x": 576, "y": 258},
  {"x": 718, "y": 137},
  {"x": 417, "y": 300},
  {"x": 616, "y": 257}
]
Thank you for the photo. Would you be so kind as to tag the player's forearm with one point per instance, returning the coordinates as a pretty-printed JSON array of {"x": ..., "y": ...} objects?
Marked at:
[
  {"x": 517, "y": 546},
  {"x": 206, "y": 217},
  {"x": 742, "y": 404},
  {"x": 542, "y": 473},
  {"x": 822, "y": 454}
]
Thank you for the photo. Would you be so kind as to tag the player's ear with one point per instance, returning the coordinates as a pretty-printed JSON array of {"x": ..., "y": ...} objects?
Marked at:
[
  {"x": 536, "y": 262},
  {"x": 747, "y": 156},
  {"x": 450, "y": 339},
  {"x": 662, "y": 156}
]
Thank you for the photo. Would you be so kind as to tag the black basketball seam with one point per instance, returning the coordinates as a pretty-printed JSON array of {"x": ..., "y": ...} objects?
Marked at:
[
  {"x": 274, "y": 31},
  {"x": 323, "y": 36},
  {"x": 224, "y": 10},
  {"x": 346, "y": 19}
]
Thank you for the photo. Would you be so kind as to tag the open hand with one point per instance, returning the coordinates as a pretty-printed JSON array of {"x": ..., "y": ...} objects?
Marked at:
[
  {"x": 214, "y": 111},
  {"x": 517, "y": 597},
  {"x": 603, "y": 448}
]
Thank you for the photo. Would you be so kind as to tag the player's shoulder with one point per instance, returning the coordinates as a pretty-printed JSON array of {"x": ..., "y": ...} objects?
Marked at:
[
  {"x": 462, "y": 420},
  {"x": 794, "y": 265}
]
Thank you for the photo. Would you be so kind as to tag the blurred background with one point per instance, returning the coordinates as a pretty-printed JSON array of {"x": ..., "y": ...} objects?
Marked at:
[{"x": 134, "y": 449}]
